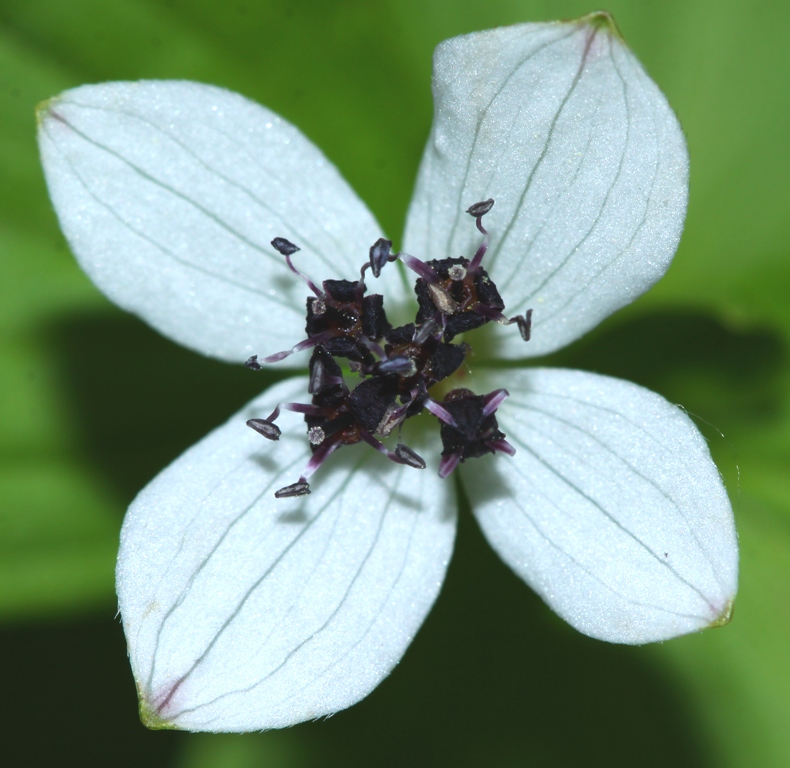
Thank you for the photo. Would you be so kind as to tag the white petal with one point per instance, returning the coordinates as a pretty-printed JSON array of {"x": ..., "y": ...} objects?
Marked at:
[
  {"x": 245, "y": 612},
  {"x": 170, "y": 193},
  {"x": 611, "y": 509},
  {"x": 586, "y": 161}
]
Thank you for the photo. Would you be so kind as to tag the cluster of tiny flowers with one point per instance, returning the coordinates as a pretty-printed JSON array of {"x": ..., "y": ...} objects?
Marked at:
[{"x": 397, "y": 366}]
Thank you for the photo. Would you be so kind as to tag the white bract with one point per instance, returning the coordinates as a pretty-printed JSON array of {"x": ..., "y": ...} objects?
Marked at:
[{"x": 245, "y": 612}]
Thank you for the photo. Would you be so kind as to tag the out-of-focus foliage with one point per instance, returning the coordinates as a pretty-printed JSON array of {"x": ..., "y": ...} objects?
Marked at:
[{"x": 92, "y": 403}]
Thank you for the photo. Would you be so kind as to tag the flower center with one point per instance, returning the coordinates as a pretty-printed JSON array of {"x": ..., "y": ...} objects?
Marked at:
[{"x": 397, "y": 367}]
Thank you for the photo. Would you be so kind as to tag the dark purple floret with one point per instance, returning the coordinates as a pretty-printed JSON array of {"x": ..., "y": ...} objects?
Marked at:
[
  {"x": 469, "y": 427},
  {"x": 400, "y": 335},
  {"x": 374, "y": 318},
  {"x": 344, "y": 291},
  {"x": 473, "y": 430},
  {"x": 465, "y": 299},
  {"x": 371, "y": 399}
]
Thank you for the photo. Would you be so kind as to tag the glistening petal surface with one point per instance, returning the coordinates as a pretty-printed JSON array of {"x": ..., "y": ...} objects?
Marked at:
[
  {"x": 584, "y": 157},
  {"x": 170, "y": 192},
  {"x": 611, "y": 508},
  {"x": 244, "y": 612}
]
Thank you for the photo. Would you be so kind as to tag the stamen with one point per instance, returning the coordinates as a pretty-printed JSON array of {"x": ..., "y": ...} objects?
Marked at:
[
  {"x": 270, "y": 430},
  {"x": 524, "y": 324},
  {"x": 301, "y": 346},
  {"x": 302, "y": 487},
  {"x": 420, "y": 267},
  {"x": 401, "y": 455},
  {"x": 393, "y": 417},
  {"x": 266, "y": 428},
  {"x": 441, "y": 413},
  {"x": 448, "y": 464},
  {"x": 287, "y": 248},
  {"x": 493, "y": 400},
  {"x": 491, "y": 314},
  {"x": 409, "y": 457},
  {"x": 478, "y": 210},
  {"x": 501, "y": 446},
  {"x": 380, "y": 254},
  {"x": 321, "y": 454},
  {"x": 253, "y": 364},
  {"x": 295, "y": 489}
]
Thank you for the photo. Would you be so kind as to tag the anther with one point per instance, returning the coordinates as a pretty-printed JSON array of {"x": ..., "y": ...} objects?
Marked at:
[
  {"x": 265, "y": 428},
  {"x": 480, "y": 209},
  {"x": 295, "y": 489},
  {"x": 285, "y": 247},
  {"x": 524, "y": 324},
  {"x": 408, "y": 456},
  {"x": 253, "y": 364},
  {"x": 380, "y": 254}
]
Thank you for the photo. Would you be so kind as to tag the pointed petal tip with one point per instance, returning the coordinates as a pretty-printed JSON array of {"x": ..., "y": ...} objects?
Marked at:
[
  {"x": 44, "y": 109},
  {"x": 150, "y": 717},
  {"x": 725, "y": 617},
  {"x": 600, "y": 20}
]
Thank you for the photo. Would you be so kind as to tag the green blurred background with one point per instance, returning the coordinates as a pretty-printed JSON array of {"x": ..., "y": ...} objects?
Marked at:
[{"x": 93, "y": 403}]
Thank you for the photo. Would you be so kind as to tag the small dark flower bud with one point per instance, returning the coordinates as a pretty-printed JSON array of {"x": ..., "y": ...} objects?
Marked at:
[
  {"x": 295, "y": 489},
  {"x": 480, "y": 209},
  {"x": 379, "y": 255},
  {"x": 285, "y": 247},
  {"x": 265, "y": 428}
]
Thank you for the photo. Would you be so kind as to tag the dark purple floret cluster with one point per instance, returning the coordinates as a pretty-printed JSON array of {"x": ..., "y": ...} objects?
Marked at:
[{"x": 396, "y": 366}]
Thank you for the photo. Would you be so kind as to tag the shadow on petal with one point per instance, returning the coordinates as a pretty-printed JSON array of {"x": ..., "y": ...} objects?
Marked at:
[
  {"x": 722, "y": 373},
  {"x": 139, "y": 400},
  {"x": 493, "y": 678}
]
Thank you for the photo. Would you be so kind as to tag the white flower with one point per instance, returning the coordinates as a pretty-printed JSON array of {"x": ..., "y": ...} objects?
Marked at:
[{"x": 243, "y": 612}]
